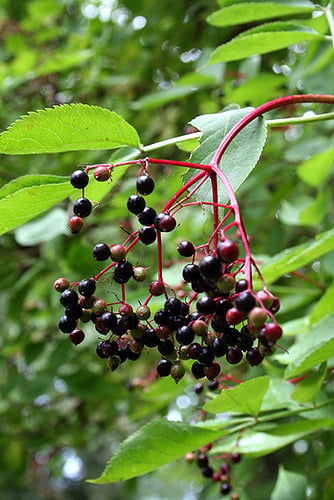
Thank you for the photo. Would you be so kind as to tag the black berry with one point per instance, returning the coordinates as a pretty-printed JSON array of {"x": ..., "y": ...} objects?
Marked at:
[
  {"x": 186, "y": 248},
  {"x": 164, "y": 367},
  {"x": 165, "y": 223},
  {"x": 185, "y": 335},
  {"x": 135, "y": 204},
  {"x": 147, "y": 235},
  {"x": 244, "y": 301},
  {"x": 79, "y": 179},
  {"x": 210, "y": 267},
  {"x": 147, "y": 216},
  {"x": 87, "y": 287},
  {"x": 145, "y": 184},
  {"x": 67, "y": 325},
  {"x": 123, "y": 271},
  {"x": 101, "y": 252},
  {"x": 82, "y": 207},
  {"x": 68, "y": 298}
]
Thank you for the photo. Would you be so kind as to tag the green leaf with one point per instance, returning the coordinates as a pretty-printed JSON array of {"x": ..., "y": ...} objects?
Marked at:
[
  {"x": 307, "y": 389},
  {"x": 45, "y": 228},
  {"x": 256, "y": 90},
  {"x": 239, "y": 158},
  {"x": 26, "y": 197},
  {"x": 162, "y": 97},
  {"x": 245, "y": 12},
  {"x": 289, "y": 485},
  {"x": 323, "y": 307},
  {"x": 244, "y": 398},
  {"x": 312, "y": 349},
  {"x": 157, "y": 443},
  {"x": 315, "y": 170},
  {"x": 257, "y": 444},
  {"x": 263, "y": 39},
  {"x": 304, "y": 210},
  {"x": 298, "y": 256},
  {"x": 70, "y": 127}
]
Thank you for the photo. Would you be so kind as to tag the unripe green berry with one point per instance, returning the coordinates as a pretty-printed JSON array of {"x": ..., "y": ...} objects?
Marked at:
[
  {"x": 139, "y": 273},
  {"x": 143, "y": 312},
  {"x": 226, "y": 283},
  {"x": 177, "y": 371}
]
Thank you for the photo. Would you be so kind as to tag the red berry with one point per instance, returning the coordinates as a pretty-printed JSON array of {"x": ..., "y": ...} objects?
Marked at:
[
  {"x": 272, "y": 331},
  {"x": 227, "y": 251},
  {"x": 101, "y": 174},
  {"x": 61, "y": 284},
  {"x": 76, "y": 224},
  {"x": 157, "y": 288}
]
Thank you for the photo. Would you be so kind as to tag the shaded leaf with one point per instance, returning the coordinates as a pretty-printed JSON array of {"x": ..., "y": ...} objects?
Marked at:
[
  {"x": 257, "y": 444},
  {"x": 312, "y": 349},
  {"x": 323, "y": 307},
  {"x": 315, "y": 170},
  {"x": 244, "y": 398},
  {"x": 44, "y": 229},
  {"x": 157, "y": 443},
  {"x": 289, "y": 485},
  {"x": 70, "y": 127},
  {"x": 307, "y": 389}
]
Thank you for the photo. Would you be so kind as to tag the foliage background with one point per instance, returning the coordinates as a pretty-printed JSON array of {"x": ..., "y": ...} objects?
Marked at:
[{"x": 62, "y": 413}]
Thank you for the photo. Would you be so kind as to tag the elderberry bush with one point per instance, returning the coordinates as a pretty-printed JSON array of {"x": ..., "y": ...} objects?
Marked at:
[{"x": 214, "y": 318}]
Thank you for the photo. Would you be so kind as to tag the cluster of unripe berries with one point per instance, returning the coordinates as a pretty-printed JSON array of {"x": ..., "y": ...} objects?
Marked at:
[
  {"x": 222, "y": 475},
  {"x": 219, "y": 317}
]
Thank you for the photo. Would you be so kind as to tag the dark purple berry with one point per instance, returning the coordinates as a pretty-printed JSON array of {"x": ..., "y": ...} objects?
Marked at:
[
  {"x": 185, "y": 335},
  {"x": 130, "y": 322},
  {"x": 123, "y": 271},
  {"x": 198, "y": 388},
  {"x": 77, "y": 336},
  {"x": 212, "y": 371},
  {"x": 131, "y": 355},
  {"x": 68, "y": 298},
  {"x": 210, "y": 267},
  {"x": 241, "y": 286},
  {"x": 74, "y": 312},
  {"x": 150, "y": 338},
  {"x": 147, "y": 235},
  {"x": 145, "y": 184},
  {"x": 234, "y": 355},
  {"x": 186, "y": 248},
  {"x": 197, "y": 369},
  {"x": 119, "y": 328},
  {"x": 206, "y": 355},
  {"x": 79, "y": 179},
  {"x": 200, "y": 286},
  {"x": 67, "y": 325},
  {"x": 207, "y": 471},
  {"x": 213, "y": 385},
  {"x": 219, "y": 347},
  {"x": 236, "y": 457},
  {"x": 166, "y": 347},
  {"x": 82, "y": 207},
  {"x": 254, "y": 357},
  {"x": 87, "y": 287},
  {"x": 206, "y": 305},
  {"x": 135, "y": 204},
  {"x": 147, "y": 216},
  {"x": 227, "y": 251},
  {"x": 101, "y": 252},
  {"x": 225, "y": 489},
  {"x": 244, "y": 302},
  {"x": 191, "y": 273},
  {"x": 164, "y": 367},
  {"x": 164, "y": 223},
  {"x": 108, "y": 320},
  {"x": 202, "y": 460},
  {"x": 173, "y": 306}
]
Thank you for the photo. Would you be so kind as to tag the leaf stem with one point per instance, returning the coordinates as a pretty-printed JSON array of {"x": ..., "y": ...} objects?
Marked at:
[{"x": 281, "y": 122}]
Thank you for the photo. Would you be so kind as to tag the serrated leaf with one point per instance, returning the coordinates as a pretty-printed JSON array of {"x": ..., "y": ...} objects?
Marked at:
[
  {"x": 157, "y": 443},
  {"x": 315, "y": 170},
  {"x": 245, "y": 12},
  {"x": 70, "y": 127},
  {"x": 262, "y": 40},
  {"x": 239, "y": 158},
  {"x": 26, "y": 197},
  {"x": 312, "y": 349},
  {"x": 289, "y": 485},
  {"x": 244, "y": 398},
  {"x": 298, "y": 256},
  {"x": 257, "y": 444},
  {"x": 307, "y": 389}
]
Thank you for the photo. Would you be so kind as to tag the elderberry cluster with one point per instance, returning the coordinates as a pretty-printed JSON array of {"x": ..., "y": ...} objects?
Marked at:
[
  {"x": 220, "y": 317},
  {"x": 222, "y": 475}
]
